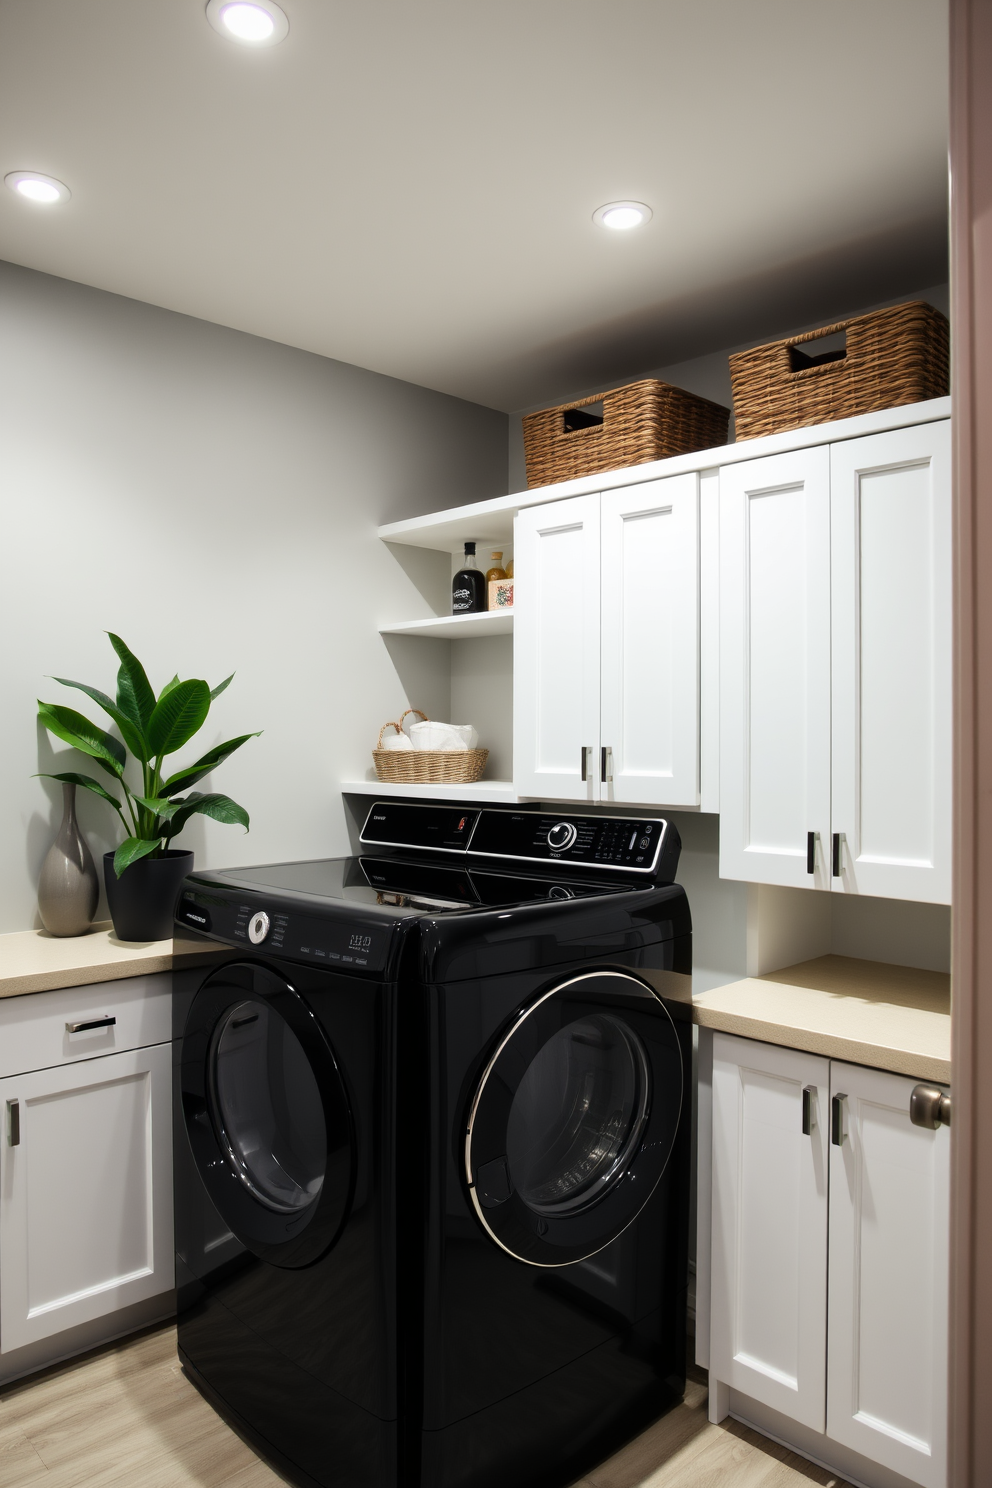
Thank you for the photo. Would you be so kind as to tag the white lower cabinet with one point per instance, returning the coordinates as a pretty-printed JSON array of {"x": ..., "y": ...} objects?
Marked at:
[
  {"x": 86, "y": 1225},
  {"x": 887, "y": 1326},
  {"x": 822, "y": 1188}
]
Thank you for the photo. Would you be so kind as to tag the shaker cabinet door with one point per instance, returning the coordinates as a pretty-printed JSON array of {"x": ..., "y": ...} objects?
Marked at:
[
  {"x": 768, "y": 1254},
  {"x": 775, "y": 669},
  {"x": 85, "y": 1192},
  {"x": 891, "y": 659},
  {"x": 556, "y": 650},
  {"x": 650, "y": 643},
  {"x": 887, "y": 1331}
]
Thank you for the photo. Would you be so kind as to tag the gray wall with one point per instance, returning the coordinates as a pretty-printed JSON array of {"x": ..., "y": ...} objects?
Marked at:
[
  {"x": 213, "y": 497},
  {"x": 708, "y": 376}
]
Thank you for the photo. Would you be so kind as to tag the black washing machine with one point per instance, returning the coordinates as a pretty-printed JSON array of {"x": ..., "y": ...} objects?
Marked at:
[{"x": 432, "y": 1148}]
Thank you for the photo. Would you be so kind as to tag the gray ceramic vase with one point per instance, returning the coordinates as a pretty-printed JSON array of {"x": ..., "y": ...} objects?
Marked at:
[{"x": 68, "y": 890}]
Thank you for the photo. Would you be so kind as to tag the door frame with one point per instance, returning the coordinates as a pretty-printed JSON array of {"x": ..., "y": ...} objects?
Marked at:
[{"x": 971, "y": 1147}]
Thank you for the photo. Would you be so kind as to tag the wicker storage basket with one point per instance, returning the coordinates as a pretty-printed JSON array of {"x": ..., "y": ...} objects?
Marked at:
[
  {"x": 643, "y": 421},
  {"x": 426, "y": 766},
  {"x": 892, "y": 356}
]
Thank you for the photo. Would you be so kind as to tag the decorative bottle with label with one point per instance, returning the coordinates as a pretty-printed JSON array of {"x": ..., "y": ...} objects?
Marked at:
[
  {"x": 468, "y": 587},
  {"x": 496, "y": 572}
]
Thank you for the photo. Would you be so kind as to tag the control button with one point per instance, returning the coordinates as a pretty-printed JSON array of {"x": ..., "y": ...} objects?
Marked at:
[
  {"x": 561, "y": 836},
  {"x": 258, "y": 929},
  {"x": 644, "y": 843}
]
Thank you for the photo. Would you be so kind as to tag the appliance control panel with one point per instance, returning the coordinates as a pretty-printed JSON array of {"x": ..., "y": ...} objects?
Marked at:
[
  {"x": 630, "y": 844},
  {"x": 347, "y": 946}
]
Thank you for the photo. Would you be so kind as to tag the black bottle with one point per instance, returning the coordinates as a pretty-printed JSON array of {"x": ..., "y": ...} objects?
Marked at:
[{"x": 468, "y": 587}]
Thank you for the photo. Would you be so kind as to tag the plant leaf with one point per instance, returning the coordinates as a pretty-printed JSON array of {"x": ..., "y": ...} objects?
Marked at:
[
  {"x": 134, "y": 691},
  {"x": 169, "y": 686},
  {"x": 177, "y": 717},
  {"x": 161, "y": 805},
  {"x": 74, "y": 729},
  {"x": 131, "y": 849},
  {"x": 215, "y": 692},
  {"x": 183, "y": 779},
  {"x": 87, "y": 780},
  {"x": 219, "y": 808},
  {"x": 132, "y": 736}
]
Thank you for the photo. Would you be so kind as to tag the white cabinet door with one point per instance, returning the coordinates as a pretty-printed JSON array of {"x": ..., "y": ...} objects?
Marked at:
[
  {"x": 775, "y": 669},
  {"x": 768, "y": 1254},
  {"x": 887, "y": 1335},
  {"x": 891, "y": 582},
  {"x": 650, "y": 642},
  {"x": 556, "y": 650},
  {"x": 85, "y": 1192}
]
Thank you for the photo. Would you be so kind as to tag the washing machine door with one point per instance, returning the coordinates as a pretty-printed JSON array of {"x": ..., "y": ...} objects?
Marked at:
[
  {"x": 574, "y": 1119},
  {"x": 267, "y": 1115}
]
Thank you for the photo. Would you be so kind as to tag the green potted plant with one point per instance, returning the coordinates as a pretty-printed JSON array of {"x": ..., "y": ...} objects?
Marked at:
[{"x": 144, "y": 874}]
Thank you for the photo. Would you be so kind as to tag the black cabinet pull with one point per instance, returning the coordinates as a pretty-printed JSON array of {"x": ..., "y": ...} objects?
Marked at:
[
  {"x": 810, "y": 852},
  {"x": 14, "y": 1123},
  {"x": 809, "y": 1109},
  {"x": 837, "y": 1120},
  {"x": 836, "y": 855}
]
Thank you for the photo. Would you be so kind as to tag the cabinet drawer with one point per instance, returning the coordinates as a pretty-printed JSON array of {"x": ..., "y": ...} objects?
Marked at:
[{"x": 38, "y": 1030}]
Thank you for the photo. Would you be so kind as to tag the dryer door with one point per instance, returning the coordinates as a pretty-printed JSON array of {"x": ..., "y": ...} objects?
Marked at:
[
  {"x": 267, "y": 1115},
  {"x": 574, "y": 1119}
]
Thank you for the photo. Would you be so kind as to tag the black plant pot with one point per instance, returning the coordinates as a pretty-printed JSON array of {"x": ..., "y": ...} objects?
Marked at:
[{"x": 143, "y": 900}]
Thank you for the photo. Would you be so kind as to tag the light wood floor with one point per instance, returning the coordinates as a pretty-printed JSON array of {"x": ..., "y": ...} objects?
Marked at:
[{"x": 126, "y": 1416}]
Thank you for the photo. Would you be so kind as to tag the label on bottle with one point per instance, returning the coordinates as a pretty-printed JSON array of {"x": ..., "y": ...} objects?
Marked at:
[{"x": 461, "y": 599}]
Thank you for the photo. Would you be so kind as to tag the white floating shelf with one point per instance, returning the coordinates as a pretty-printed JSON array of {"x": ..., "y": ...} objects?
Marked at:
[
  {"x": 491, "y": 521},
  {"x": 455, "y": 627},
  {"x": 479, "y": 790}
]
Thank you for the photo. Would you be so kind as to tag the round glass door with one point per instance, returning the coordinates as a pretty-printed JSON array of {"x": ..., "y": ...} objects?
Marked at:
[
  {"x": 574, "y": 1119},
  {"x": 267, "y": 1115},
  {"x": 266, "y": 1108}
]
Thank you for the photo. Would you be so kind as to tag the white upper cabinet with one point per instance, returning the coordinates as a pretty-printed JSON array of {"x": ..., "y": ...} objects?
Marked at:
[
  {"x": 891, "y": 579},
  {"x": 835, "y": 666},
  {"x": 769, "y": 1217},
  {"x": 650, "y": 642},
  {"x": 775, "y": 669},
  {"x": 606, "y": 646},
  {"x": 556, "y": 650},
  {"x": 887, "y": 1331}
]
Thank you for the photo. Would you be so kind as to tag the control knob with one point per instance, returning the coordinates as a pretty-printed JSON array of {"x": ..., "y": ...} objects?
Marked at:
[
  {"x": 561, "y": 836},
  {"x": 258, "y": 927}
]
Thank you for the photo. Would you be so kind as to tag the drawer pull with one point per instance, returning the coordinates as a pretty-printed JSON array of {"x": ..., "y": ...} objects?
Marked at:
[
  {"x": 89, "y": 1024},
  {"x": 14, "y": 1123}
]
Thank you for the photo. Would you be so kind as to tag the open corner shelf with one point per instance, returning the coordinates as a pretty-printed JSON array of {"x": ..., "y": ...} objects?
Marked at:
[
  {"x": 479, "y": 790},
  {"x": 455, "y": 627}
]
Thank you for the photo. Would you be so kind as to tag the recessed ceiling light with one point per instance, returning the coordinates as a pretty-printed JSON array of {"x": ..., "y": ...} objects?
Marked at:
[
  {"x": 37, "y": 188},
  {"x": 253, "y": 22},
  {"x": 622, "y": 216}
]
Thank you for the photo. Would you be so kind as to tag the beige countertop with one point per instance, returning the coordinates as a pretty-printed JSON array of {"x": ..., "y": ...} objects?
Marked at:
[
  {"x": 891, "y": 1017},
  {"x": 34, "y": 961}
]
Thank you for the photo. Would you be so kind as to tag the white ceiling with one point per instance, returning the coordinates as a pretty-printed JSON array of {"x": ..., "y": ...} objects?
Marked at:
[{"x": 408, "y": 184}]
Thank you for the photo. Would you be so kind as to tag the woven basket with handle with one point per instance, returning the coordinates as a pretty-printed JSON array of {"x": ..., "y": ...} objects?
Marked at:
[
  {"x": 427, "y": 766},
  {"x": 647, "y": 420},
  {"x": 891, "y": 357}
]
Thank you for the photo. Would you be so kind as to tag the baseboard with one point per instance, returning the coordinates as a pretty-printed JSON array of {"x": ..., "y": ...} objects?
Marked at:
[{"x": 79, "y": 1340}]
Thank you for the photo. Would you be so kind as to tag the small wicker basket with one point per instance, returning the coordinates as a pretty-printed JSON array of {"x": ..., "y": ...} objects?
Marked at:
[
  {"x": 427, "y": 766},
  {"x": 893, "y": 356},
  {"x": 647, "y": 420}
]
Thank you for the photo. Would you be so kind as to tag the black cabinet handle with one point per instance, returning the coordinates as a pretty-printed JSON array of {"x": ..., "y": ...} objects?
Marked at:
[
  {"x": 837, "y": 1120},
  {"x": 585, "y": 763},
  {"x": 810, "y": 852},
  {"x": 14, "y": 1123},
  {"x": 87, "y": 1026},
  {"x": 809, "y": 1109},
  {"x": 836, "y": 855}
]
